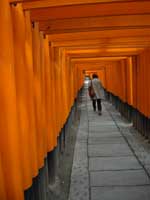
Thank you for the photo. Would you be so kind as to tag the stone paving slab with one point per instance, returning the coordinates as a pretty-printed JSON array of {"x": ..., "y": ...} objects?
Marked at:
[
  {"x": 82, "y": 134},
  {"x": 101, "y": 122},
  {"x": 103, "y": 126},
  {"x": 102, "y": 152},
  {"x": 79, "y": 188},
  {"x": 121, "y": 193},
  {"x": 104, "y": 134},
  {"x": 109, "y": 150},
  {"x": 79, "y": 185},
  {"x": 104, "y": 113},
  {"x": 98, "y": 118},
  {"x": 106, "y": 140},
  {"x": 103, "y": 129},
  {"x": 80, "y": 157},
  {"x": 113, "y": 163},
  {"x": 108, "y": 123},
  {"x": 119, "y": 178},
  {"x": 95, "y": 115}
]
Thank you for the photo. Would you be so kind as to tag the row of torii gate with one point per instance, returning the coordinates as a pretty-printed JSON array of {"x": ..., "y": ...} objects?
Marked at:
[{"x": 46, "y": 46}]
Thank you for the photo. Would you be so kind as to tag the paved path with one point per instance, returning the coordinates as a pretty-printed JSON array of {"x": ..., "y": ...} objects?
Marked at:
[{"x": 111, "y": 161}]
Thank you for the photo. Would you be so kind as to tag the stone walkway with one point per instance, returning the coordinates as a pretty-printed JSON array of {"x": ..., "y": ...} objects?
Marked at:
[{"x": 111, "y": 160}]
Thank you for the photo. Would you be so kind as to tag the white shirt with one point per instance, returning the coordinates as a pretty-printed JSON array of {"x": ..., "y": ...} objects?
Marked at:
[{"x": 98, "y": 89}]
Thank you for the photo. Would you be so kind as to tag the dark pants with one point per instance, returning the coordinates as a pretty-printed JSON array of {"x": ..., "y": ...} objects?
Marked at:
[{"x": 99, "y": 106}]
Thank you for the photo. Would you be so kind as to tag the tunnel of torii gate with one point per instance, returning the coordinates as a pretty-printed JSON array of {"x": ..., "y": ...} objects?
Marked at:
[{"x": 47, "y": 47}]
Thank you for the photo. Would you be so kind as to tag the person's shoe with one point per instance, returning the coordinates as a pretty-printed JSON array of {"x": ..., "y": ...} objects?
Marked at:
[{"x": 99, "y": 113}]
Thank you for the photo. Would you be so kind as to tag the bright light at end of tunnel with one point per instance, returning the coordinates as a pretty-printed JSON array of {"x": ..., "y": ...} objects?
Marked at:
[{"x": 86, "y": 81}]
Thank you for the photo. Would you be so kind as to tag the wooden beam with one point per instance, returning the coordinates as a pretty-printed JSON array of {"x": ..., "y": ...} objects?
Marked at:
[
  {"x": 94, "y": 64},
  {"x": 91, "y": 10},
  {"x": 102, "y": 42},
  {"x": 88, "y": 69},
  {"x": 93, "y": 67},
  {"x": 96, "y": 53},
  {"x": 83, "y": 60},
  {"x": 86, "y": 51},
  {"x": 53, "y": 3},
  {"x": 107, "y": 34},
  {"x": 91, "y": 29},
  {"x": 22, "y": 1},
  {"x": 16, "y": 1},
  {"x": 103, "y": 54},
  {"x": 116, "y": 46},
  {"x": 107, "y": 22}
]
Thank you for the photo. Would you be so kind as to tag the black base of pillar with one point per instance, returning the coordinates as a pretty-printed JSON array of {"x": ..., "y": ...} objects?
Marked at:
[
  {"x": 29, "y": 194},
  {"x": 38, "y": 190},
  {"x": 47, "y": 175},
  {"x": 61, "y": 141},
  {"x": 52, "y": 165}
]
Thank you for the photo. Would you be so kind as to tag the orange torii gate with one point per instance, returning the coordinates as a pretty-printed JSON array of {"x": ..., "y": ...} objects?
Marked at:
[{"x": 45, "y": 46}]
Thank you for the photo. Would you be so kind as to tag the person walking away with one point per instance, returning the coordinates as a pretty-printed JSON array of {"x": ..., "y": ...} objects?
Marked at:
[
  {"x": 92, "y": 94},
  {"x": 97, "y": 86}
]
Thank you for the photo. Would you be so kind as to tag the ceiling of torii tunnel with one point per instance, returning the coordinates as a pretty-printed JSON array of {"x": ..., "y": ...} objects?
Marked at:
[{"x": 47, "y": 49}]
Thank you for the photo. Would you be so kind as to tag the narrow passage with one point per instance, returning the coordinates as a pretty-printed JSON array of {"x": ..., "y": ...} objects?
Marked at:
[{"x": 111, "y": 159}]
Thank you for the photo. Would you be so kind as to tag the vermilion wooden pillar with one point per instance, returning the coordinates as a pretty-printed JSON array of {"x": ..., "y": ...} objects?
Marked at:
[
  {"x": 48, "y": 98},
  {"x": 10, "y": 135},
  {"x": 38, "y": 95},
  {"x": 30, "y": 83},
  {"x": 21, "y": 80}
]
